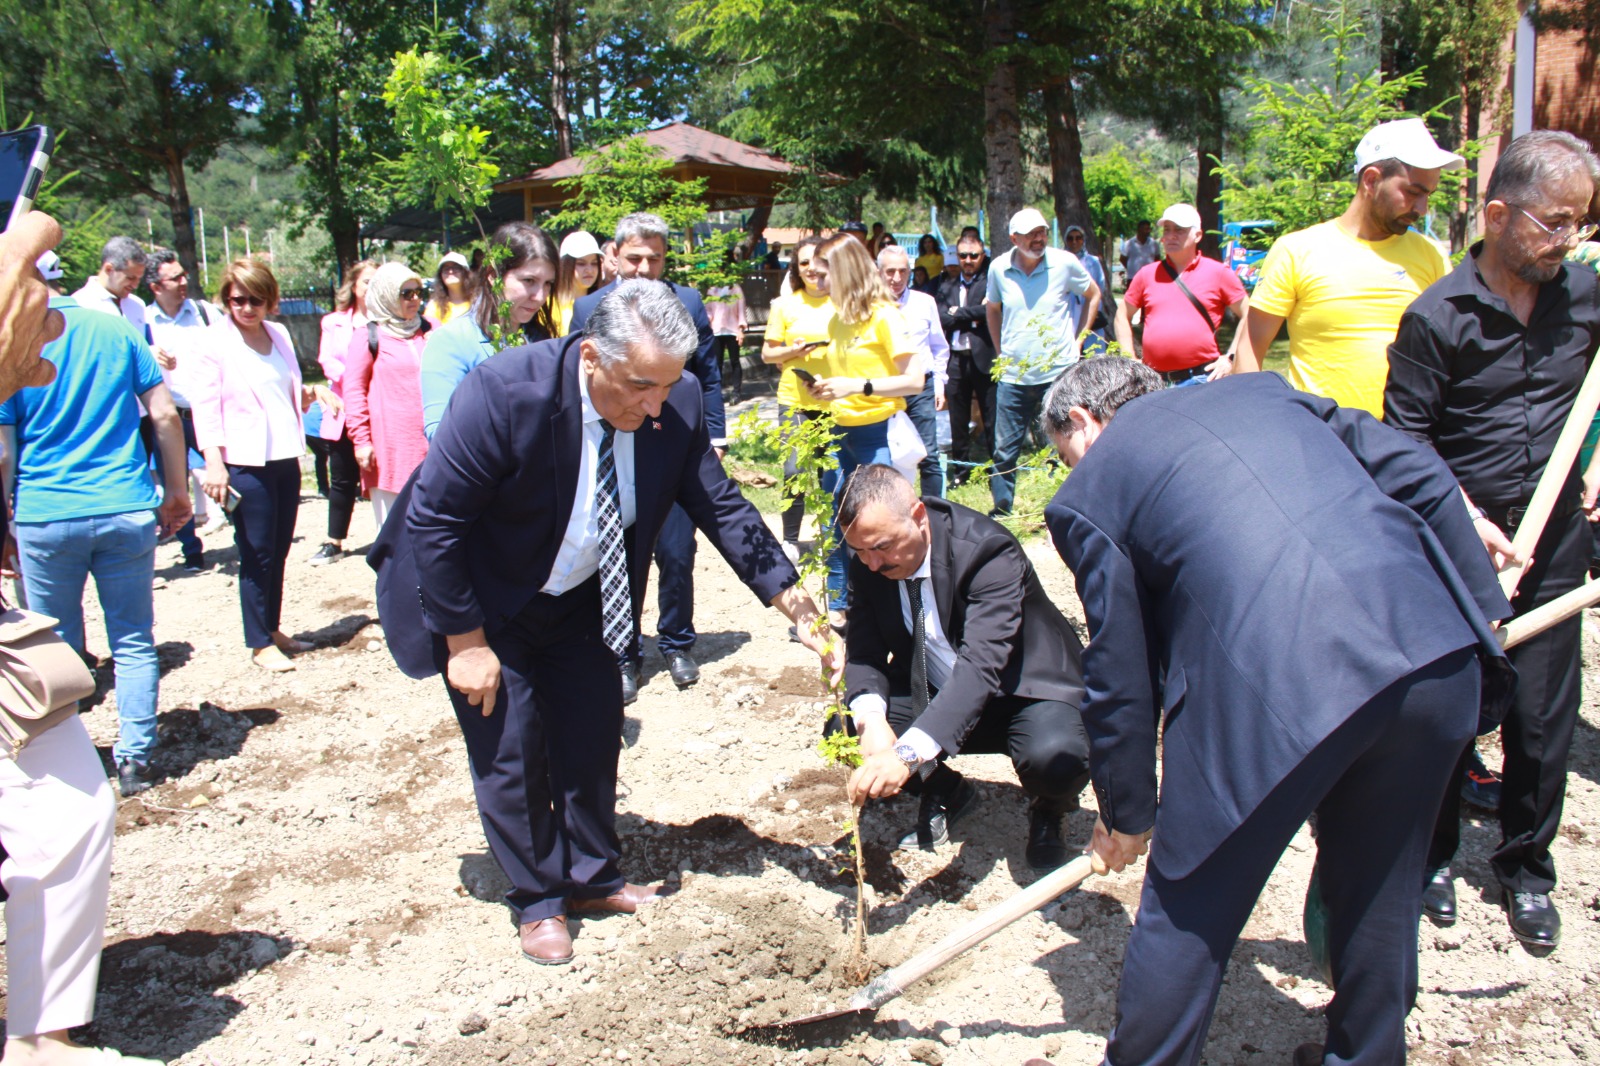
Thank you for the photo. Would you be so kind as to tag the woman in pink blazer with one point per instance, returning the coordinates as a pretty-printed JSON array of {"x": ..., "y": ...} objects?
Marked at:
[
  {"x": 248, "y": 401},
  {"x": 333, "y": 441}
]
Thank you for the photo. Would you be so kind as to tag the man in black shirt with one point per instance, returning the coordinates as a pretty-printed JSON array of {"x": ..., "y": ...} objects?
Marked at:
[{"x": 1485, "y": 367}]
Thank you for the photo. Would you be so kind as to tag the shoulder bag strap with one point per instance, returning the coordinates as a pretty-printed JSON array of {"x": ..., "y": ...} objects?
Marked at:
[{"x": 1198, "y": 306}]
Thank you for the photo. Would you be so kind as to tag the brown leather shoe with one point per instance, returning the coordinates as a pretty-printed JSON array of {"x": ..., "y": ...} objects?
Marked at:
[
  {"x": 624, "y": 900},
  {"x": 547, "y": 941}
]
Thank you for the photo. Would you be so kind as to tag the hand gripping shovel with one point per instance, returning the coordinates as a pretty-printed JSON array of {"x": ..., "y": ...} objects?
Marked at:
[{"x": 891, "y": 983}]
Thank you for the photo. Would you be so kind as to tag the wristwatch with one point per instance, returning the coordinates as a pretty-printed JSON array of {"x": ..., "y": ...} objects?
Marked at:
[
  {"x": 908, "y": 755},
  {"x": 866, "y": 389}
]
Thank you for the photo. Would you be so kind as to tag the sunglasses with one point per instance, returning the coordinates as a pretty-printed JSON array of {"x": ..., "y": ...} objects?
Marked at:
[
  {"x": 969, "y": 255},
  {"x": 246, "y": 301},
  {"x": 411, "y": 294}
]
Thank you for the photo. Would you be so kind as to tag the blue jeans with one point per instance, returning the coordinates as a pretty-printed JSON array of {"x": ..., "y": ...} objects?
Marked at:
[
  {"x": 855, "y": 446},
  {"x": 919, "y": 408},
  {"x": 120, "y": 551},
  {"x": 1016, "y": 407}
]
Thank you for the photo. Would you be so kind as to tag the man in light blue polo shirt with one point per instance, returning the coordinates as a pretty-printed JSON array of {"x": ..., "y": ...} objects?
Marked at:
[
  {"x": 1031, "y": 316},
  {"x": 84, "y": 504}
]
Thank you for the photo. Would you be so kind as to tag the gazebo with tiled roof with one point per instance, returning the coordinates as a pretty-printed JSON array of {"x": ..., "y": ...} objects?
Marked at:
[{"x": 737, "y": 175}]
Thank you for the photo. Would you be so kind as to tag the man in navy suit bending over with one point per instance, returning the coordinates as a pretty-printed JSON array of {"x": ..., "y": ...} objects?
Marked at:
[
  {"x": 517, "y": 571},
  {"x": 1307, "y": 586},
  {"x": 642, "y": 253}
]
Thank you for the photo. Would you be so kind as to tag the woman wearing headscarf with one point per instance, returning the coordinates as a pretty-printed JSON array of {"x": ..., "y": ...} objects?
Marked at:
[
  {"x": 382, "y": 387},
  {"x": 522, "y": 260},
  {"x": 344, "y": 475}
]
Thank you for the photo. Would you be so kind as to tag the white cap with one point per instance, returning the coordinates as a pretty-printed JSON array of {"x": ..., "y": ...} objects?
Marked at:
[
  {"x": 1407, "y": 140},
  {"x": 950, "y": 257},
  {"x": 49, "y": 265},
  {"x": 457, "y": 258},
  {"x": 578, "y": 244},
  {"x": 1183, "y": 216},
  {"x": 1027, "y": 220}
]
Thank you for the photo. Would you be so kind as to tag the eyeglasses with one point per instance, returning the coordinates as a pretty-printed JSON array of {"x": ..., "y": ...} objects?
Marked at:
[
  {"x": 411, "y": 294},
  {"x": 246, "y": 301},
  {"x": 969, "y": 255},
  {"x": 1566, "y": 233}
]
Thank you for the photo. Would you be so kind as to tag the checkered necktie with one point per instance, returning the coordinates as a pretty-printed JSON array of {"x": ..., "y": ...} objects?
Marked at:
[
  {"x": 616, "y": 607},
  {"x": 919, "y": 647}
]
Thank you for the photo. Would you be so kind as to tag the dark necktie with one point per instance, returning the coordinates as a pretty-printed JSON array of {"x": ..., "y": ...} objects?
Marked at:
[
  {"x": 616, "y": 607},
  {"x": 919, "y": 647}
]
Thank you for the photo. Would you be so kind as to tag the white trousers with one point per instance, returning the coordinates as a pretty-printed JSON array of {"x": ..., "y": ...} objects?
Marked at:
[
  {"x": 57, "y": 815},
  {"x": 381, "y": 502}
]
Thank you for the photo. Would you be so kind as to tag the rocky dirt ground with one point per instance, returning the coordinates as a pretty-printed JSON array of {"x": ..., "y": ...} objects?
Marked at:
[{"x": 310, "y": 883}]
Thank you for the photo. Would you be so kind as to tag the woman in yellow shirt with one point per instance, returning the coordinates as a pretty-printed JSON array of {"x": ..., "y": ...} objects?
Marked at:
[
  {"x": 452, "y": 288},
  {"x": 868, "y": 366},
  {"x": 796, "y": 332},
  {"x": 930, "y": 256},
  {"x": 578, "y": 275}
]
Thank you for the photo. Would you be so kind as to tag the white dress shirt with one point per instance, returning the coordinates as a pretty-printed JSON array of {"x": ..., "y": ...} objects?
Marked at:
[
  {"x": 941, "y": 656},
  {"x": 181, "y": 336},
  {"x": 921, "y": 313},
  {"x": 579, "y": 557},
  {"x": 97, "y": 297}
]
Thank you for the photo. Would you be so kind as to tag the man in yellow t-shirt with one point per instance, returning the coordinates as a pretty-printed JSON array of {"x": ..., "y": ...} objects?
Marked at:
[{"x": 1342, "y": 286}]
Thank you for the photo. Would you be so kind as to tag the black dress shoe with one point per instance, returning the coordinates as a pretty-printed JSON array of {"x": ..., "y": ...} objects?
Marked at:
[
  {"x": 1439, "y": 897},
  {"x": 1046, "y": 850},
  {"x": 630, "y": 682},
  {"x": 1534, "y": 919},
  {"x": 937, "y": 814},
  {"x": 681, "y": 668}
]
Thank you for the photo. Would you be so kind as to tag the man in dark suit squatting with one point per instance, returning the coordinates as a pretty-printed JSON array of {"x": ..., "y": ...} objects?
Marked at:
[
  {"x": 517, "y": 572},
  {"x": 642, "y": 253},
  {"x": 1307, "y": 584},
  {"x": 955, "y": 648}
]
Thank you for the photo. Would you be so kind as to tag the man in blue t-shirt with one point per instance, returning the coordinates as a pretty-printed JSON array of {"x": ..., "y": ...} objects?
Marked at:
[{"x": 84, "y": 503}]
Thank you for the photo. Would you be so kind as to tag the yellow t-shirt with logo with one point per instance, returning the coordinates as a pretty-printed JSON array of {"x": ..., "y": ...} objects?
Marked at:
[
  {"x": 867, "y": 350},
  {"x": 1341, "y": 298},
  {"x": 798, "y": 317}
]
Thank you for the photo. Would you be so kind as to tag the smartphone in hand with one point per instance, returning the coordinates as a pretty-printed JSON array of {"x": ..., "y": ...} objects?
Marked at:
[
  {"x": 24, "y": 158},
  {"x": 805, "y": 375}
]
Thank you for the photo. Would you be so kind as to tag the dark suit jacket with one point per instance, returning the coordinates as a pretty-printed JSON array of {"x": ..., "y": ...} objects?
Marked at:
[
  {"x": 473, "y": 538},
  {"x": 1286, "y": 560},
  {"x": 702, "y": 365},
  {"x": 969, "y": 316},
  {"x": 1009, "y": 638}
]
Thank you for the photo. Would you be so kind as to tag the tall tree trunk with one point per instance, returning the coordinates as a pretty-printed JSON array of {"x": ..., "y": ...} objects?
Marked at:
[
  {"x": 1002, "y": 146},
  {"x": 560, "y": 89},
  {"x": 1066, "y": 161},
  {"x": 1207, "y": 179},
  {"x": 757, "y": 223},
  {"x": 177, "y": 201}
]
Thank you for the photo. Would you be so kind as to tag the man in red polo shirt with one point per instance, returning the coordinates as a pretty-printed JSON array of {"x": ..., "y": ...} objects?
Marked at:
[{"x": 1183, "y": 297}]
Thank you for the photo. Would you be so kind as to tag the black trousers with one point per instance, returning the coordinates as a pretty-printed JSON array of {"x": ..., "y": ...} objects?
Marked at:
[
  {"x": 675, "y": 550},
  {"x": 725, "y": 345},
  {"x": 544, "y": 764},
  {"x": 1373, "y": 784},
  {"x": 1537, "y": 733},
  {"x": 1044, "y": 739},
  {"x": 968, "y": 383},
  {"x": 263, "y": 528},
  {"x": 339, "y": 479}
]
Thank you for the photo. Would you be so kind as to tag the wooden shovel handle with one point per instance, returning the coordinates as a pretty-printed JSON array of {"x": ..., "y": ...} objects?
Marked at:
[
  {"x": 891, "y": 983},
  {"x": 1546, "y": 615},
  {"x": 1554, "y": 477}
]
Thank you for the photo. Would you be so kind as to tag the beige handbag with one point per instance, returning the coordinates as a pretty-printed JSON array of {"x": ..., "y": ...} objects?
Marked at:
[{"x": 41, "y": 678}]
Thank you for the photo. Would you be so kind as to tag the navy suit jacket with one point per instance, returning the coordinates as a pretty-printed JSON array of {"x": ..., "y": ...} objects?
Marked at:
[
  {"x": 474, "y": 536},
  {"x": 1285, "y": 560},
  {"x": 1010, "y": 640},
  {"x": 703, "y": 366}
]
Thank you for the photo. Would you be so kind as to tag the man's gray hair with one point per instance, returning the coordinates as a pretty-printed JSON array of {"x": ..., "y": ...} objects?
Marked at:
[
  {"x": 1528, "y": 171},
  {"x": 641, "y": 226},
  {"x": 122, "y": 253},
  {"x": 874, "y": 483},
  {"x": 1099, "y": 386},
  {"x": 153, "y": 264},
  {"x": 892, "y": 250},
  {"x": 640, "y": 313}
]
